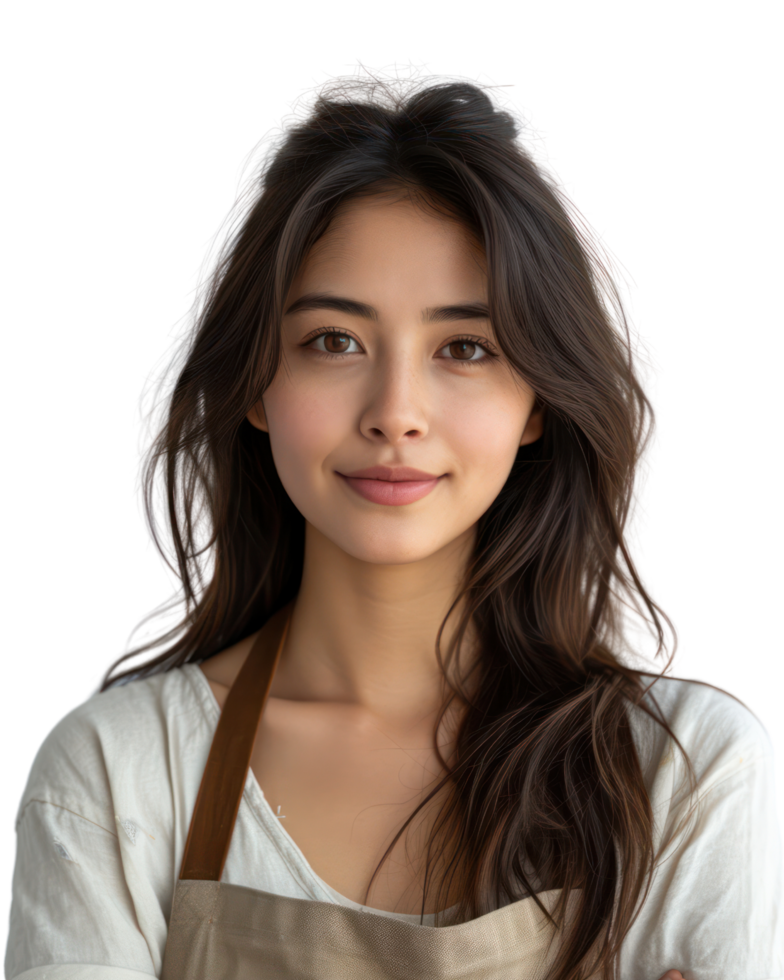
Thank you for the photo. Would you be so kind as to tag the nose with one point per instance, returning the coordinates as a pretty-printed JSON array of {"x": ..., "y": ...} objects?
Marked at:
[{"x": 397, "y": 406}]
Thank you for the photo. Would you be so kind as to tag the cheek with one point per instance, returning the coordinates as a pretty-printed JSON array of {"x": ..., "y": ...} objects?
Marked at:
[
  {"x": 305, "y": 424},
  {"x": 484, "y": 432}
]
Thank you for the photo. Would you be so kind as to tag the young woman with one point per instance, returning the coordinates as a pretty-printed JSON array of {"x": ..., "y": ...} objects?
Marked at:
[{"x": 393, "y": 735}]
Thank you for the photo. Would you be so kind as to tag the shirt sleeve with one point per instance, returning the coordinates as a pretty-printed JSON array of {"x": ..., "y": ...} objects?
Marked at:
[
  {"x": 72, "y": 913},
  {"x": 714, "y": 909},
  {"x": 79, "y": 971}
]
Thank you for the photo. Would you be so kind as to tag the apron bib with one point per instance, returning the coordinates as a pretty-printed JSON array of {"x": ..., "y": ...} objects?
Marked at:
[{"x": 229, "y": 932}]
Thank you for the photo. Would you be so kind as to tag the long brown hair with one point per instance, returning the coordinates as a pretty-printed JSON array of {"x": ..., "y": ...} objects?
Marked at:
[{"x": 546, "y": 789}]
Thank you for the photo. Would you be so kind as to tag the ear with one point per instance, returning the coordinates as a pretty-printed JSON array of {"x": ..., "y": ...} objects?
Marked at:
[
  {"x": 534, "y": 427},
  {"x": 257, "y": 417}
]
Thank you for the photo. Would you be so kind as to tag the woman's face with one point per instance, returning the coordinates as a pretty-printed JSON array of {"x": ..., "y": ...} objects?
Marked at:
[{"x": 390, "y": 361}]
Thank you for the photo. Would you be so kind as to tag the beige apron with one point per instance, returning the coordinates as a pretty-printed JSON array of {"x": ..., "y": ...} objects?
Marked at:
[{"x": 227, "y": 931}]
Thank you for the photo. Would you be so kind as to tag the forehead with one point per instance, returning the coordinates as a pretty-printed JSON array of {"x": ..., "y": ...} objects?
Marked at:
[{"x": 388, "y": 242}]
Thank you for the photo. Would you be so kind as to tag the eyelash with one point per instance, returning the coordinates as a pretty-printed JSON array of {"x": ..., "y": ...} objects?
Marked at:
[{"x": 455, "y": 340}]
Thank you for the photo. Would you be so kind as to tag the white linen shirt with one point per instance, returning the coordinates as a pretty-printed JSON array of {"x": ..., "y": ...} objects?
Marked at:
[{"x": 102, "y": 824}]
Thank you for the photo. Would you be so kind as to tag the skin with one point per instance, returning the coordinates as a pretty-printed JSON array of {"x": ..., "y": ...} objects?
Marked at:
[{"x": 378, "y": 579}]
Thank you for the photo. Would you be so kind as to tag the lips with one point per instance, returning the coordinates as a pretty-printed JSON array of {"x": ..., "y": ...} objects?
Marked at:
[
  {"x": 392, "y": 474},
  {"x": 394, "y": 493}
]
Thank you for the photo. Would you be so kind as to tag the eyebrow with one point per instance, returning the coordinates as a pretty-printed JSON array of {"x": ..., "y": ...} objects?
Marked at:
[{"x": 433, "y": 314}]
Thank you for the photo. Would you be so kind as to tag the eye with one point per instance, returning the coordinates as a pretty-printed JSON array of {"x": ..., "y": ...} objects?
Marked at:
[
  {"x": 332, "y": 343},
  {"x": 471, "y": 362},
  {"x": 467, "y": 350}
]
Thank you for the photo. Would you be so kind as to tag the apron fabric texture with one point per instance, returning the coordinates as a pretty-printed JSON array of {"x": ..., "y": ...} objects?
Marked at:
[{"x": 230, "y": 932}]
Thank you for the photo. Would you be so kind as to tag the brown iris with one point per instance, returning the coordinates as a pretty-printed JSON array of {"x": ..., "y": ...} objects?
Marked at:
[
  {"x": 336, "y": 343},
  {"x": 462, "y": 350}
]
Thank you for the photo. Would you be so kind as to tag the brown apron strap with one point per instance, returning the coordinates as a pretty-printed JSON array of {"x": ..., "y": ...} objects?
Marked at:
[{"x": 223, "y": 780}]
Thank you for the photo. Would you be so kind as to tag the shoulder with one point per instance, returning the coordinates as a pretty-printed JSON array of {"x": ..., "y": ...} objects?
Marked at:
[
  {"x": 691, "y": 702},
  {"x": 222, "y": 668},
  {"x": 127, "y": 736},
  {"x": 719, "y": 738}
]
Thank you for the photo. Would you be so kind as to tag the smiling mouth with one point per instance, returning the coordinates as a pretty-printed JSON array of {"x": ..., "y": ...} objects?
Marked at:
[{"x": 392, "y": 492}]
